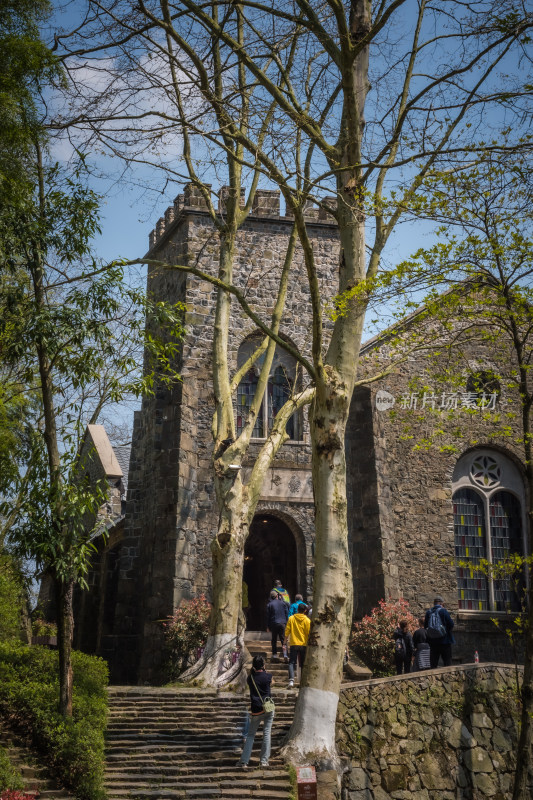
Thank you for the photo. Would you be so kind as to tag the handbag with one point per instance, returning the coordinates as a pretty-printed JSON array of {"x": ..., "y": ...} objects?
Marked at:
[{"x": 268, "y": 704}]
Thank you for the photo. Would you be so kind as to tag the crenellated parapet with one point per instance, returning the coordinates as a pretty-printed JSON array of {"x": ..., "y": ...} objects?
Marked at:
[{"x": 266, "y": 203}]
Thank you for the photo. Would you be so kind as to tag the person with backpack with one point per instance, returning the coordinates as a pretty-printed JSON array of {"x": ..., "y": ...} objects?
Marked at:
[
  {"x": 277, "y": 616},
  {"x": 281, "y": 592},
  {"x": 403, "y": 648},
  {"x": 261, "y": 710},
  {"x": 438, "y": 625},
  {"x": 298, "y": 600}
]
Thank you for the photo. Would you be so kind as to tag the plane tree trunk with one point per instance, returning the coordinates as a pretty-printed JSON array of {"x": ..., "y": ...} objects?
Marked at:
[{"x": 312, "y": 734}]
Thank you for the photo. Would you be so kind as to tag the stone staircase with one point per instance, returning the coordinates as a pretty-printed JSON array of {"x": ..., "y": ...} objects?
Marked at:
[
  {"x": 258, "y": 644},
  {"x": 180, "y": 744},
  {"x": 28, "y": 763},
  {"x": 185, "y": 743}
]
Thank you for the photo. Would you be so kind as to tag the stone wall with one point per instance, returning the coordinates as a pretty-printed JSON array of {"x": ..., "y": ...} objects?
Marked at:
[{"x": 446, "y": 734}]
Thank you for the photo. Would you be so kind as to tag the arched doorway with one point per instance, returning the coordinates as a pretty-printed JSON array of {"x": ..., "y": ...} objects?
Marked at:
[{"x": 270, "y": 553}]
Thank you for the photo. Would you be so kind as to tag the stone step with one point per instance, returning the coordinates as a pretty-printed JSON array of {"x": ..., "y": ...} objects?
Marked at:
[
  {"x": 202, "y": 794},
  {"x": 188, "y": 727},
  {"x": 141, "y": 746},
  {"x": 183, "y": 771},
  {"x": 243, "y": 780},
  {"x": 37, "y": 781},
  {"x": 197, "y": 766},
  {"x": 276, "y": 768},
  {"x": 280, "y": 692},
  {"x": 183, "y": 745},
  {"x": 149, "y": 752},
  {"x": 283, "y": 697},
  {"x": 177, "y": 704}
]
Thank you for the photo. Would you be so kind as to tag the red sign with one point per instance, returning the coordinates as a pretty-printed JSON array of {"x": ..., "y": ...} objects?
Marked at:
[{"x": 306, "y": 780}]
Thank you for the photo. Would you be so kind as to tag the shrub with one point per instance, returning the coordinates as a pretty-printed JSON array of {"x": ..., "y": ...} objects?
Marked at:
[
  {"x": 185, "y": 632},
  {"x": 29, "y": 692},
  {"x": 15, "y": 794},
  {"x": 10, "y": 778},
  {"x": 372, "y": 638}
]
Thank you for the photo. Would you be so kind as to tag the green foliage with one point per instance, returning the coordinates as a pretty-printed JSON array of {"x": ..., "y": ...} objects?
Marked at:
[
  {"x": 74, "y": 747},
  {"x": 86, "y": 329},
  {"x": 185, "y": 631},
  {"x": 479, "y": 295},
  {"x": 372, "y": 637},
  {"x": 10, "y": 777},
  {"x": 293, "y": 778},
  {"x": 25, "y": 63},
  {"x": 12, "y": 598}
]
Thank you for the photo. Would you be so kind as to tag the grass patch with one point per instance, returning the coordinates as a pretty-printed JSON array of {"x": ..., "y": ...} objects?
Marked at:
[{"x": 294, "y": 783}]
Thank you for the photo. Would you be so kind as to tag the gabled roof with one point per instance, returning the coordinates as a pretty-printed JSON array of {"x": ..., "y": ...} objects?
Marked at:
[
  {"x": 122, "y": 453},
  {"x": 105, "y": 452}
]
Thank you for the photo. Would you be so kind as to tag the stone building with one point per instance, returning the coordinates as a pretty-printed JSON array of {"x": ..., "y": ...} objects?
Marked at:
[
  {"x": 436, "y": 477},
  {"x": 411, "y": 509},
  {"x": 107, "y": 464}
]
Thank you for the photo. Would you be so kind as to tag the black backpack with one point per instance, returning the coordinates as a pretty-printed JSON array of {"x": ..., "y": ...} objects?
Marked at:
[
  {"x": 436, "y": 628},
  {"x": 399, "y": 647}
]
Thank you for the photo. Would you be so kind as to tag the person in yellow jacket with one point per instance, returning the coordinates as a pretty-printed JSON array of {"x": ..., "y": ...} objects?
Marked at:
[{"x": 297, "y": 634}]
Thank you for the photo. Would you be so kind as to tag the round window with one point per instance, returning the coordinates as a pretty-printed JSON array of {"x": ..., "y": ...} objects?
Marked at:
[
  {"x": 482, "y": 383},
  {"x": 485, "y": 472}
]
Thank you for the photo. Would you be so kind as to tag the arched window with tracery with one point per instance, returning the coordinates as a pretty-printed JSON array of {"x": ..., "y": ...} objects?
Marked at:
[
  {"x": 245, "y": 394},
  {"x": 279, "y": 387},
  {"x": 470, "y": 546},
  {"x": 488, "y": 527}
]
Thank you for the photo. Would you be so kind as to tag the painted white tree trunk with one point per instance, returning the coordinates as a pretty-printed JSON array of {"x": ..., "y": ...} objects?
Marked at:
[{"x": 312, "y": 734}]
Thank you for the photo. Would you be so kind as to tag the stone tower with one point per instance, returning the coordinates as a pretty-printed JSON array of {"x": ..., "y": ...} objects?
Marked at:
[{"x": 171, "y": 513}]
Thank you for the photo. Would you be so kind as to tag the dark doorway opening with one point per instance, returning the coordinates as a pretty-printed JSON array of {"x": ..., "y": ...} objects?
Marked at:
[{"x": 270, "y": 553}]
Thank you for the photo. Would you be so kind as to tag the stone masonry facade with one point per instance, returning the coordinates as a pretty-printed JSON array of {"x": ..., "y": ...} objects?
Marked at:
[
  {"x": 406, "y": 455},
  {"x": 448, "y": 734},
  {"x": 402, "y": 459}
]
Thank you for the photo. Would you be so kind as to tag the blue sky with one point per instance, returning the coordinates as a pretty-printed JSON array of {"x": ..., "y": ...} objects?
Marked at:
[{"x": 129, "y": 210}]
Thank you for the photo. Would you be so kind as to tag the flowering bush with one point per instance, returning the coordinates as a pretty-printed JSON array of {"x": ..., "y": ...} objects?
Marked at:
[
  {"x": 13, "y": 794},
  {"x": 372, "y": 638},
  {"x": 185, "y": 632},
  {"x": 40, "y": 627}
]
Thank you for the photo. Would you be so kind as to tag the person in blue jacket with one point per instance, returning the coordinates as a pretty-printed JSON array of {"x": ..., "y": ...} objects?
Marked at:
[
  {"x": 298, "y": 601},
  {"x": 438, "y": 625}
]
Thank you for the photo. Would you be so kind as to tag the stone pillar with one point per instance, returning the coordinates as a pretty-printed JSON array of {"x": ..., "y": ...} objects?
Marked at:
[
  {"x": 266, "y": 203},
  {"x": 223, "y": 196},
  {"x": 193, "y": 197}
]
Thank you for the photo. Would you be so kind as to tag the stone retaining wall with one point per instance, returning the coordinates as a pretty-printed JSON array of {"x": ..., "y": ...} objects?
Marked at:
[{"x": 445, "y": 734}]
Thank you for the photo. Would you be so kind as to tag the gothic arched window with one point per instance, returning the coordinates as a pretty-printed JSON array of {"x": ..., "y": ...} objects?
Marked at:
[
  {"x": 245, "y": 394},
  {"x": 278, "y": 391},
  {"x": 488, "y": 527}
]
